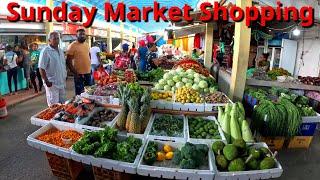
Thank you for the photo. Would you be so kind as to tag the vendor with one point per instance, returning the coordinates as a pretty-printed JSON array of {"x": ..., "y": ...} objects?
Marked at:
[{"x": 263, "y": 62}]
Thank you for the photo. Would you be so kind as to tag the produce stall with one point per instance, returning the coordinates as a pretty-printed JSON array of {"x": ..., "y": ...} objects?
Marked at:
[{"x": 167, "y": 131}]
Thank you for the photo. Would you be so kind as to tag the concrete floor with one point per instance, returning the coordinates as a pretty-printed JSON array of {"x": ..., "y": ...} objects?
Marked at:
[{"x": 20, "y": 161}]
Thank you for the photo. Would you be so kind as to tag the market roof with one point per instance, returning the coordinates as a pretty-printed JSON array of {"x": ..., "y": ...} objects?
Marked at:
[{"x": 150, "y": 26}]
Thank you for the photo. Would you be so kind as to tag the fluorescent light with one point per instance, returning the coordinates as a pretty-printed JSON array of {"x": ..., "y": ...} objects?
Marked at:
[{"x": 296, "y": 32}]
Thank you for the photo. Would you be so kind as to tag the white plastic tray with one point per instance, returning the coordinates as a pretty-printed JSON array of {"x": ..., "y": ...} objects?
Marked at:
[
  {"x": 196, "y": 107},
  {"x": 161, "y": 104},
  {"x": 206, "y": 141},
  {"x": 157, "y": 137},
  {"x": 80, "y": 124},
  {"x": 214, "y": 107},
  {"x": 110, "y": 164},
  {"x": 99, "y": 99},
  {"x": 37, "y": 121},
  {"x": 60, "y": 151},
  {"x": 311, "y": 119},
  {"x": 175, "y": 173},
  {"x": 251, "y": 175}
]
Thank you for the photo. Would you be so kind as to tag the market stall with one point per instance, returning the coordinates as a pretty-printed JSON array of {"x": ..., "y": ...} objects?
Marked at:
[{"x": 4, "y": 89}]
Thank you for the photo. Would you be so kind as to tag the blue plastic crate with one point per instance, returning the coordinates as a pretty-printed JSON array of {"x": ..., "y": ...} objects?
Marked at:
[{"x": 307, "y": 129}]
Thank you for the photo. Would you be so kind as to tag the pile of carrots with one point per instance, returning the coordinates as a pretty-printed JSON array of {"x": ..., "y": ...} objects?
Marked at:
[{"x": 53, "y": 136}]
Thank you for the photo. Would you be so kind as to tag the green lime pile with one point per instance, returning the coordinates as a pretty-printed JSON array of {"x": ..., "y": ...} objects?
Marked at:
[{"x": 201, "y": 128}]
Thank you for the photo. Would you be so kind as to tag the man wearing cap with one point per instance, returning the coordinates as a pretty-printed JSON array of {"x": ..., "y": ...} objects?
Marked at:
[
  {"x": 78, "y": 61},
  {"x": 52, "y": 67}
]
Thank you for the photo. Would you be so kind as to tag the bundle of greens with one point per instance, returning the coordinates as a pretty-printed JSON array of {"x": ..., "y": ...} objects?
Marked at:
[
  {"x": 154, "y": 75},
  {"x": 105, "y": 144},
  {"x": 280, "y": 118}
]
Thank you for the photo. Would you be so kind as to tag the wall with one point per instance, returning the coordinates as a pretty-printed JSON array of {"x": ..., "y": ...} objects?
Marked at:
[{"x": 309, "y": 64}]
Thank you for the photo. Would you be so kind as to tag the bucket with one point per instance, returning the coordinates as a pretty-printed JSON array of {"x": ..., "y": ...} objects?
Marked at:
[{"x": 3, "y": 109}]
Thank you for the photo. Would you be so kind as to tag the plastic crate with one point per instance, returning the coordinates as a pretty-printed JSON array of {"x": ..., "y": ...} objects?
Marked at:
[
  {"x": 105, "y": 174},
  {"x": 64, "y": 168},
  {"x": 307, "y": 129},
  {"x": 161, "y": 104},
  {"x": 274, "y": 143},
  {"x": 302, "y": 142},
  {"x": 158, "y": 137},
  {"x": 251, "y": 175},
  {"x": 80, "y": 124},
  {"x": 175, "y": 172},
  {"x": 53, "y": 149},
  {"x": 37, "y": 121},
  {"x": 195, "y": 107},
  {"x": 206, "y": 141},
  {"x": 110, "y": 164}
]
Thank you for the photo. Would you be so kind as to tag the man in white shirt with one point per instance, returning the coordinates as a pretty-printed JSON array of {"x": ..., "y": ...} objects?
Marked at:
[
  {"x": 52, "y": 66},
  {"x": 95, "y": 59}
]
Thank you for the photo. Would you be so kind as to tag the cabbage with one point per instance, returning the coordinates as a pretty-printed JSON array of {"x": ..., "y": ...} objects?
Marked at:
[
  {"x": 179, "y": 70},
  {"x": 190, "y": 71},
  {"x": 196, "y": 75},
  {"x": 176, "y": 78},
  {"x": 206, "y": 90},
  {"x": 167, "y": 76},
  {"x": 213, "y": 89},
  {"x": 173, "y": 88},
  {"x": 158, "y": 87},
  {"x": 185, "y": 80},
  {"x": 195, "y": 87},
  {"x": 171, "y": 82},
  {"x": 179, "y": 84},
  {"x": 190, "y": 81},
  {"x": 167, "y": 88},
  {"x": 197, "y": 80},
  {"x": 203, "y": 84},
  {"x": 190, "y": 76},
  {"x": 162, "y": 82},
  {"x": 189, "y": 85}
]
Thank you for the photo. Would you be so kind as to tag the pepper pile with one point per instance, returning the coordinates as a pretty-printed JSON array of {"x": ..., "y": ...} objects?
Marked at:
[{"x": 192, "y": 64}]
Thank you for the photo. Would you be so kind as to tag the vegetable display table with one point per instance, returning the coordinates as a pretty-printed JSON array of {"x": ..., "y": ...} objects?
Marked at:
[
  {"x": 255, "y": 82},
  {"x": 22, "y": 83}
]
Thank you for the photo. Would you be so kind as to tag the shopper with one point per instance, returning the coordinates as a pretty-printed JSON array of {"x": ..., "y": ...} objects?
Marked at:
[
  {"x": 78, "y": 61},
  {"x": 95, "y": 59},
  {"x": 132, "y": 53},
  {"x": 142, "y": 53},
  {"x": 10, "y": 62},
  {"x": 194, "y": 54},
  {"x": 152, "y": 55},
  {"x": 18, "y": 52},
  {"x": 35, "y": 73},
  {"x": 263, "y": 63},
  {"x": 52, "y": 65},
  {"x": 125, "y": 48},
  {"x": 26, "y": 60}
]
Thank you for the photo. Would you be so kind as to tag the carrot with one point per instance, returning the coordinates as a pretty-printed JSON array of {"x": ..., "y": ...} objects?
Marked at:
[{"x": 53, "y": 136}]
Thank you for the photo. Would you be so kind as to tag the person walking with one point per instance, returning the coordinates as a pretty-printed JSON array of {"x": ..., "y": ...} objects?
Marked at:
[
  {"x": 35, "y": 73},
  {"x": 78, "y": 61},
  {"x": 10, "y": 62},
  {"x": 142, "y": 55},
  {"x": 95, "y": 59},
  {"x": 132, "y": 53},
  {"x": 52, "y": 67},
  {"x": 26, "y": 61}
]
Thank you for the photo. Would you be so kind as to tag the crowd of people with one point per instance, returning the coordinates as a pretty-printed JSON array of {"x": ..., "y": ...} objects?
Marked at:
[{"x": 26, "y": 57}]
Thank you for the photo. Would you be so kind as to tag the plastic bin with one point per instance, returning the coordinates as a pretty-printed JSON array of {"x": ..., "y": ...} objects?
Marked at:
[{"x": 175, "y": 172}]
